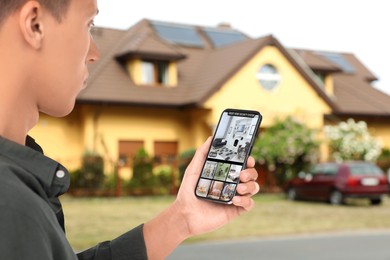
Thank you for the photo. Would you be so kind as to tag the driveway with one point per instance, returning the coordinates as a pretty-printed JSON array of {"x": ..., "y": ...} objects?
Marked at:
[{"x": 368, "y": 245}]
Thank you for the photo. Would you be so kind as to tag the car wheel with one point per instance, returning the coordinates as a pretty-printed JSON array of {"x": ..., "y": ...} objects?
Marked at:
[
  {"x": 376, "y": 201},
  {"x": 336, "y": 198},
  {"x": 292, "y": 194}
]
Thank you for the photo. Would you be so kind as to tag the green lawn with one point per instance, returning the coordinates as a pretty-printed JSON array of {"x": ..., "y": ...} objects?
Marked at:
[{"x": 92, "y": 220}]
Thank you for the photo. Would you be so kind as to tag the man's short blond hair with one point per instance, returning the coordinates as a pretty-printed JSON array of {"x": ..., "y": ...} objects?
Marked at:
[{"x": 58, "y": 8}]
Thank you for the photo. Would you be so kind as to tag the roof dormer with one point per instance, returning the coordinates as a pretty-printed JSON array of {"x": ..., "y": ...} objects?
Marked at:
[{"x": 149, "y": 62}]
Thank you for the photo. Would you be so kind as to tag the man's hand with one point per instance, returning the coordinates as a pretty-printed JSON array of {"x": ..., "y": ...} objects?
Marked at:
[{"x": 204, "y": 216}]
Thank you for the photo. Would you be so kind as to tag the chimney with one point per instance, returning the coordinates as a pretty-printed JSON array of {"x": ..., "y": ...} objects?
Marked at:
[{"x": 224, "y": 25}]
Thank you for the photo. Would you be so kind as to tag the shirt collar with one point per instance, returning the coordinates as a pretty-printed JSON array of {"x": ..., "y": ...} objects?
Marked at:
[{"x": 53, "y": 177}]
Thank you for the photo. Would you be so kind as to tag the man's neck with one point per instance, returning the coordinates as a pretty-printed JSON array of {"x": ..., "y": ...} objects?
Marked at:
[
  {"x": 17, "y": 114},
  {"x": 15, "y": 126}
]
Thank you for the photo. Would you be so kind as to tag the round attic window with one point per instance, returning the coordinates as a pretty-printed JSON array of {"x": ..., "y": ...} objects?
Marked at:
[{"x": 268, "y": 76}]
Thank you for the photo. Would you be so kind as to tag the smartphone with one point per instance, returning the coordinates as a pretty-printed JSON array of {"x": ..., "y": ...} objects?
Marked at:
[{"x": 230, "y": 148}]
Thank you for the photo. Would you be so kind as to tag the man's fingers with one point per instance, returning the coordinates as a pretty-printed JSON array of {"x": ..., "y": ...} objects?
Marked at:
[
  {"x": 250, "y": 162},
  {"x": 251, "y": 188},
  {"x": 244, "y": 202},
  {"x": 249, "y": 174}
]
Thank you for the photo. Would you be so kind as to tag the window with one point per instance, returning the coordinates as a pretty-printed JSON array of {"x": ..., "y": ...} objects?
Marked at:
[
  {"x": 321, "y": 76},
  {"x": 165, "y": 152},
  {"x": 127, "y": 151},
  {"x": 155, "y": 73},
  {"x": 268, "y": 77},
  {"x": 365, "y": 169},
  {"x": 327, "y": 169}
]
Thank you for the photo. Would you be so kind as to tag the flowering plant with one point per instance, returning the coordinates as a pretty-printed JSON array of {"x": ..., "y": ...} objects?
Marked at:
[
  {"x": 351, "y": 140},
  {"x": 286, "y": 148}
]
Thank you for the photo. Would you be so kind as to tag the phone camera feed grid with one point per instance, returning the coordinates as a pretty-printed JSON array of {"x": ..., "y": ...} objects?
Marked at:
[{"x": 231, "y": 143}]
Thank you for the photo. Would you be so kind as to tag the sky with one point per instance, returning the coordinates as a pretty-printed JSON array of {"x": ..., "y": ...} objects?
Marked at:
[{"x": 360, "y": 27}]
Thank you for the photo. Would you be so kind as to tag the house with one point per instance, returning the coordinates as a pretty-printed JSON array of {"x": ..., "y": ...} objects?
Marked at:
[{"x": 162, "y": 86}]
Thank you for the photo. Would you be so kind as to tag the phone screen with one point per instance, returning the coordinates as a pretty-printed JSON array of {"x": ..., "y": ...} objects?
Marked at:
[{"x": 231, "y": 145}]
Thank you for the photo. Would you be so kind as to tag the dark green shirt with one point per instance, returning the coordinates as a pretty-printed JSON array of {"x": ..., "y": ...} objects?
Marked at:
[{"x": 31, "y": 218}]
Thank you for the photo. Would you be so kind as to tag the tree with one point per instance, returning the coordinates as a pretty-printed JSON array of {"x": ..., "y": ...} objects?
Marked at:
[
  {"x": 351, "y": 140},
  {"x": 286, "y": 148}
]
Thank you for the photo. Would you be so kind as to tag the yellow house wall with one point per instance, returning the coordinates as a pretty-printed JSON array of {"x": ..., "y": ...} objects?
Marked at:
[
  {"x": 95, "y": 128},
  {"x": 381, "y": 131},
  {"x": 293, "y": 96},
  {"x": 329, "y": 86},
  {"x": 144, "y": 124},
  {"x": 172, "y": 74},
  {"x": 135, "y": 71}
]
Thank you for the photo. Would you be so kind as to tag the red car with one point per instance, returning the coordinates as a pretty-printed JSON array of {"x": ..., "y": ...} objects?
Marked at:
[{"x": 335, "y": 182}]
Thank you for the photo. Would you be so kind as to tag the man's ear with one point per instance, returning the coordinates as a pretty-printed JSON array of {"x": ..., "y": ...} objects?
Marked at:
[{"x": 31, "y": 23}]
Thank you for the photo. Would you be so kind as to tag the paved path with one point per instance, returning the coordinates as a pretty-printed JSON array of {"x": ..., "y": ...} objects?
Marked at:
[{"x": 349, "y": 246}]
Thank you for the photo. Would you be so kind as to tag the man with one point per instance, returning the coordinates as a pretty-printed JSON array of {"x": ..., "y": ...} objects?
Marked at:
[{"x": 45, "y": 46}]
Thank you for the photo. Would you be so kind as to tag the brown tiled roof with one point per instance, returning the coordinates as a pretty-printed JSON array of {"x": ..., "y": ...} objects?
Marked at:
[
  {"x": 360, "y": 70},
  {"x": 203, "y": 70},
  {"x": 358, "y": 97},
  {"x": 147, "y": 45},
  {"x": 317, "y": 62},
  {"x": 353, "y": 94}
]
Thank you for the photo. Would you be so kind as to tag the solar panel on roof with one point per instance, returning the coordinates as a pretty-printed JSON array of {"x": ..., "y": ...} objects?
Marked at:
[
  {"x": 220, "y": 38},
  {"x": 339, "y": 60},
  {"x": 179, "y": 34}
]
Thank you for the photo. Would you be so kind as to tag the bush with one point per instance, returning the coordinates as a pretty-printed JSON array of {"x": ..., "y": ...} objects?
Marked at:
[
  {"x": 110, "y": 182},
  {"x": 142, "y": 169},
  {"x": 384, "y": 160},
  {"x": 164, "y": 175},
  {"x": 91, "y": 173},
  {"x": 145, "y": 180},
  {"x": 164, "y": 179},
  {"x": 286, "y": 148},
  {"x": 385, "y": 154}
]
